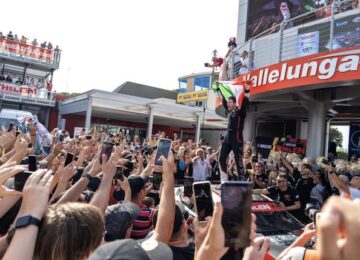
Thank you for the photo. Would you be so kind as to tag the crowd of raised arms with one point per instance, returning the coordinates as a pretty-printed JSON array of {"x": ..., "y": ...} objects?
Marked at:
[{"x": 78, "y": 207}]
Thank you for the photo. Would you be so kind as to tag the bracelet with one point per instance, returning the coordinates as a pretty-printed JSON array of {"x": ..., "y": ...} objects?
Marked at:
[{"x": 87, "y": 175}]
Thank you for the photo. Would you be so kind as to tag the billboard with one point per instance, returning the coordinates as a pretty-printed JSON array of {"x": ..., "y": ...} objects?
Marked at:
[
  {"x": 265, "y": 14},
  {"x": 192, "y": 96},
  {"x": 354, "y": 140},
  {"x": 346, "y": 34}
]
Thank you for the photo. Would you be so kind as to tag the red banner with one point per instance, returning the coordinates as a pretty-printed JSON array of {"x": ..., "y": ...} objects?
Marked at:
[
  {"x": 25, "y": 50},
  {"x": 266, "y": 207},
  {"x": 325, "y": 67},
  {"x": 17, "y": 89}
]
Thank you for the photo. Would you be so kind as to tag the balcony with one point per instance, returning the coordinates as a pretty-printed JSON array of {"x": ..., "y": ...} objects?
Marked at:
[
  {"x": 305, "y": 36},
  {"x": 27, "y": 95},
  {"x": 21, "y": 52}
]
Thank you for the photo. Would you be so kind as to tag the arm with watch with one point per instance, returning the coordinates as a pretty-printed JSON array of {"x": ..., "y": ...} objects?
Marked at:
[
  {"x": 335, "y": 180},
  {"x": 33, "y": 207},
  {"x": 73, "y": 194}
]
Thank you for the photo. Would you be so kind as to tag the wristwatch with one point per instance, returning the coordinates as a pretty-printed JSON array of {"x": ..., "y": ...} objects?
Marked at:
[
  {"x": 26, "y": 221},
  {"x": 87, "y": 175}
]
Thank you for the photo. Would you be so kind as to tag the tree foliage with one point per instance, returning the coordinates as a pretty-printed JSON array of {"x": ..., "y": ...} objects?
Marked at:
[{"x": 336, "y": 136}]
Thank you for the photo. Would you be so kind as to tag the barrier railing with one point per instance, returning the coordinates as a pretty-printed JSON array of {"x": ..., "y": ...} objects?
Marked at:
[{"x": 300, "y": 36}]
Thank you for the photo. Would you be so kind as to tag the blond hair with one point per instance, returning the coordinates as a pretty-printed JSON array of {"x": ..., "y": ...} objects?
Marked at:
[{"x": 69, "y": 231}]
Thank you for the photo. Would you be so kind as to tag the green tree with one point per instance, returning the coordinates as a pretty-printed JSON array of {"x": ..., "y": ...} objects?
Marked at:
[{"x": 336, "y": 136}]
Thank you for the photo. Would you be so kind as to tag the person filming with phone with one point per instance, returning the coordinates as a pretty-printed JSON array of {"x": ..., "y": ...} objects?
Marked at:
[{"x": 234, "y": 137}]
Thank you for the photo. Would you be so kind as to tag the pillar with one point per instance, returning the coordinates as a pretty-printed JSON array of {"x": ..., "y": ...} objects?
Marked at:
[
  {"x": 316, "y": 129},
  {"x": 150, "y": 123},
  {"x": 249, "y": 132},
  {"x": 88, "y": 114},
  {"x": 198, "y": 129}
]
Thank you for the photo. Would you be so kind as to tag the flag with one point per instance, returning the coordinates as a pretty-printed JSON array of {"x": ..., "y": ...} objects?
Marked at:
[{"x": 230, "y": 89}]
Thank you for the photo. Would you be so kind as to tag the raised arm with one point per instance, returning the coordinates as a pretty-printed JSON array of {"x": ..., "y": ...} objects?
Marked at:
[
  {"x": 166, "y": 212},
  {"x": 335, "y": 180}
]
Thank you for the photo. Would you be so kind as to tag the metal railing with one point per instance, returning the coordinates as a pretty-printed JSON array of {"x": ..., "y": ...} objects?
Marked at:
[
  {"x": 305, "y": 36},
  {"x": 40, "y": 97}
]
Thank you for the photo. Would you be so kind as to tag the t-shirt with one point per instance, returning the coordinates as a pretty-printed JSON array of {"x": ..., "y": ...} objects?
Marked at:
[
  {"x": 288, "y": 197},
  {"x": 354, "y": 193},
  {"x": 200, "y": 170},
  {"x": 143, "y": 223},
  {"x": 183, "y": 253},
  {"x": 304, "y": 188}
]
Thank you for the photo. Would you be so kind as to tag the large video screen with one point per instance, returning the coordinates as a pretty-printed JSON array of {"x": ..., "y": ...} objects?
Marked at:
[{"x": 266, "y": 14}]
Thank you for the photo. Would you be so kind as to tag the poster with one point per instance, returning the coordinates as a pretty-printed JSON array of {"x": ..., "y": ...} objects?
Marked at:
[
  {"x": 308, "y": 43},
  {"x": 354, "y": 140}
]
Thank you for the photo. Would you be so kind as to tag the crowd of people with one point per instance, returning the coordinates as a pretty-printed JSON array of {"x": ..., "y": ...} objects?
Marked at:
[
  {"x": 24, "y": 40},
  {"x": 82, "y": 209}
]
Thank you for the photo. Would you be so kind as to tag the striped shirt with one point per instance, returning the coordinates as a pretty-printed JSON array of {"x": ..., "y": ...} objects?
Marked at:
[{"x": 143, "y": 223}]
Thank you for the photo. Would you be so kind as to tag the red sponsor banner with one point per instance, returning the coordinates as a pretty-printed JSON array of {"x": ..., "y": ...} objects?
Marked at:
[
  {"x": 325, "y": 67},
  {"x": 17, "y": 89},
  {"x": 25, "y": 50},
  {"x": 266, "y": 207}
]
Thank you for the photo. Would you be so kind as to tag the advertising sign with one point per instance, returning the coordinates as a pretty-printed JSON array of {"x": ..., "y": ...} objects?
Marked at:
[
  {"x": 308, "y": 43},
  {"x": 354, "y": 140},
  {"x": 325, "y": 67},
  {"x": 25, "y": 50},
  {"x": 192, "y": 96},
  {"x": 17, "y": 89},
  {"x": 264, "y": 145},
  {"x": 290, "y": 145}
]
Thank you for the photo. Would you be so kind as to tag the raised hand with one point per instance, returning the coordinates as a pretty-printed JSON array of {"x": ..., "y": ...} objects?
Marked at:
[{"x": 5, "y": 174}]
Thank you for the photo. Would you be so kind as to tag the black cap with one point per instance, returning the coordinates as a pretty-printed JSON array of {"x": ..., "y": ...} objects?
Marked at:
[
  {"x": 148, "y": 249},
  {"x": 118, "y": 219},
  {"x": 137, "y": 183}
]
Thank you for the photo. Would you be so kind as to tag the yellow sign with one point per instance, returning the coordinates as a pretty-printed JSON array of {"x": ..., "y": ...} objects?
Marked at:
[{"x": 192, "y": 96}]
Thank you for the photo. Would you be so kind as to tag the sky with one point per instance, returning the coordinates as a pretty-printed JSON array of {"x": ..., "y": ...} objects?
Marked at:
[
  {"x": 345, "y": 130},
  {"x": 105, "y": 43}
]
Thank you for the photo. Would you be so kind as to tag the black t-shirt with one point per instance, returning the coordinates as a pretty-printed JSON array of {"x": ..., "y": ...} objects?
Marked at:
[
  {"x": 183, "y": 253},
  {"x": 288, "y": 197},
  {"x": 304, "y": 188},
  {"x": 263, "y": 178}
]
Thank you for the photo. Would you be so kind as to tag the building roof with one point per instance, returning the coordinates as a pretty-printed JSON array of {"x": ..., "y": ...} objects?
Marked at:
[{"x": 145, "y": 91}]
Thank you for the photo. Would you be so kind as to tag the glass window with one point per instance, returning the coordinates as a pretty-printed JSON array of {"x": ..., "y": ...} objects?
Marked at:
[
  {"x": 201, "y": 83},
  {"x": 182, "y": 85}
]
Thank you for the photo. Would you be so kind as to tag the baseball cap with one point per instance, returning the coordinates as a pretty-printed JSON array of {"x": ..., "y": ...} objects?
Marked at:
[
  {"x": 118, "y": 219},
  {"x": 148, "y": 249},
  {"x": 137, "y": 183}
]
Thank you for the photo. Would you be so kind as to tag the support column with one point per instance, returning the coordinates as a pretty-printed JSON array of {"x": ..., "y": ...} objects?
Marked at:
[
  {"x": 150, "y": 123},
  {"x": 181, "y": 134},
  {"x": 316, "y": 129},
  {"x": 88, "y": 114},
  {"x": 198, "y": 129},
  {"x": 249, "y": 133}
]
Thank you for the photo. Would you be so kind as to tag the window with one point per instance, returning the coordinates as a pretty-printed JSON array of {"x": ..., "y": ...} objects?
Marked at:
[
  {"x": 182, "y": 85},
  {"x": 201, "y": 83}
]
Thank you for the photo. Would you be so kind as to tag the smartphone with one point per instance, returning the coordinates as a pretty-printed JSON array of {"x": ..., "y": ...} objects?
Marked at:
[
  {"x": 88, "y": 137},
  {"x": 188, "y": 183},
  {"x": 69, "y": 159},
  {"x": 20, "y": 180},
  {"x": 11, "y": 126},
  {"x": 32, "y": 163},
  {"x": 163, "y": 149},
  {"x": 17, "y": 133},
  {"x": 157, "y": 180},
  {"x": 106, "y": 149},
  {"x": 119, "y": 174},
  {"x": 203, "y": 199},
  {"x": 236, "y": 198}
]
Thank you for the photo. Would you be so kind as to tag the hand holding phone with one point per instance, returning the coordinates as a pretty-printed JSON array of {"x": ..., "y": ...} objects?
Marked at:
[
  {"x": 236, "y": 198},
  {"x": 69, "y": 159},
  {"x": 163, "y": 149},
  {"x": 203, "y": 199},
  {"x": 157, "y": 180}
]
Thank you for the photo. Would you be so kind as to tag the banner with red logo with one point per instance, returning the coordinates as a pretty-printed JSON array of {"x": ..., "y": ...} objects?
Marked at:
[
  {"x": 25, "y": 50},
  {"x": 325, "y": 67},
  {"x": 17, "y": 89}
]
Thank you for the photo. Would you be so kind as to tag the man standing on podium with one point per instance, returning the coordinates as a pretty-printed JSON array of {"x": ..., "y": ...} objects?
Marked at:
[{"x": 236, "y": 113}]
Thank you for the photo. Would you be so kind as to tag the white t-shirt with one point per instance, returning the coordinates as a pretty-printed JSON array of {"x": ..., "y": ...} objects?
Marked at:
[
  {"x": 200, "y": 170},
  {"x": 354, "y": 193}
]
